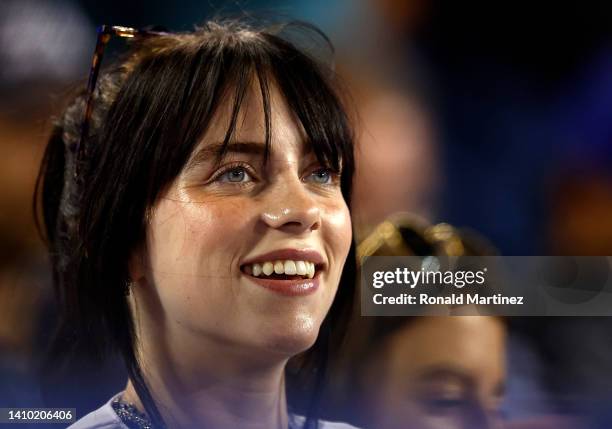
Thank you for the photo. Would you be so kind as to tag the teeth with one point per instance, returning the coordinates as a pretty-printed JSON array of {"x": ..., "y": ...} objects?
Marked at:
[
  {"x": 290, "y": 268},
  {"x": 300, "y": 267},
  {"x": 256, "y": 270},
  {"x": 311, "y": 270},
  {"x": 268, "y": 268}
]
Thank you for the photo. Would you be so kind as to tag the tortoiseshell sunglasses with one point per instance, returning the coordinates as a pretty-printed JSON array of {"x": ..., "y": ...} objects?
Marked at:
[{"x": 105, "y": 32}]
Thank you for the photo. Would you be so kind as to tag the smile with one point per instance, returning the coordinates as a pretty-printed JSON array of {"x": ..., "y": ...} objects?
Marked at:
[
  {"x": 288, "y": 272},
  {"x": 282, "y": 269}
]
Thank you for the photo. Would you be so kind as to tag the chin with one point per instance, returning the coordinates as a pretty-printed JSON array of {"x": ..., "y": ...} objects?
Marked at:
[{"x": 293, "y": 337}]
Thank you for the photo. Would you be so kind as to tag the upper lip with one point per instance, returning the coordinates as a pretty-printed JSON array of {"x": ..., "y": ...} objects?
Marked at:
[{"x": 309, "y": 255}]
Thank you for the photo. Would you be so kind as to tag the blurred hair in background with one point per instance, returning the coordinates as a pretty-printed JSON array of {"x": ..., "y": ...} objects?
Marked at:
[{"x": 492, "y": 116}]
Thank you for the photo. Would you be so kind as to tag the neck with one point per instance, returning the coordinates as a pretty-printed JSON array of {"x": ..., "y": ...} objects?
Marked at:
[
  {"x": 218, "y": 406},
  {"x": 201, "y": 382}
]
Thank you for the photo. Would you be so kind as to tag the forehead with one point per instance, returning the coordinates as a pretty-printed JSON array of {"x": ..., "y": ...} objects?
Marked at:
[
  {"x": 470, "y": 345},
  {"x": 250, "y": 125}
]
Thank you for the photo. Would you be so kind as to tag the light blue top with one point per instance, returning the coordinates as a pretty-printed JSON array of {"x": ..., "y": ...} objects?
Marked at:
[{"x": 106, "y": 418}]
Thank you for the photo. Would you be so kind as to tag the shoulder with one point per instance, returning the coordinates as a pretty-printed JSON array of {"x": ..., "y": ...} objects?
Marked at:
[{"x": 102, "y": 418}]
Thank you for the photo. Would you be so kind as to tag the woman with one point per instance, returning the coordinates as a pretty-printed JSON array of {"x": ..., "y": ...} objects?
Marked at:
[
  {"x": 432, "y": 372},
  {"x": 198, "y": 224}
]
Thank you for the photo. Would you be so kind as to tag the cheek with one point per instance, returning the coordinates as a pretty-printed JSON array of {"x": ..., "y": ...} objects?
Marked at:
[
  {"x": 185, "y": 234},
  {"x": 193, "y": 250},
  {"x": 337, "y": 240},
  {"x": 339, "y": 233}
]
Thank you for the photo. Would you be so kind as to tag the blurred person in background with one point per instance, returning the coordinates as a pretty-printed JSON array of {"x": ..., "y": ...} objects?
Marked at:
[
  {"x": 382, "y": 378},
  {"x": 397, "y": 152},
  {"x": 397, "y": 158},
  {"x": 434, "y": 372},
  {"x": 437, "y": 372},
  {"x": 430, "y": 372}
]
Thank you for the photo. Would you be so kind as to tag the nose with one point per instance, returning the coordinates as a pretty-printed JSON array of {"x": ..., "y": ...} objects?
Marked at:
[{"x": 291, "y": 208}]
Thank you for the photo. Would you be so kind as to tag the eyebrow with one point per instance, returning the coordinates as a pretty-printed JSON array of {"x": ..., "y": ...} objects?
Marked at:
[
  {"x": 443, "y": 372},
  {"x": 219, "y": 149}
]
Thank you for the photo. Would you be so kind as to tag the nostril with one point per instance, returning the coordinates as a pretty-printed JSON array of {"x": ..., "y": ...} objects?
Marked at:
[
  {"x": 294, "y": 223},
  {"x": 297, "y": 219}
]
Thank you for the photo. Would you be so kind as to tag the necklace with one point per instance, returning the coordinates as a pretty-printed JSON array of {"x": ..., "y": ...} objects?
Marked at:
[
  {"x": 130, "y": 416},
  {"x": 134, "y": 419}
]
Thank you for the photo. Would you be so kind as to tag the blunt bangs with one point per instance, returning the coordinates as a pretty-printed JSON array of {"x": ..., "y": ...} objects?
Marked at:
[{"x": 221, "y": 68}]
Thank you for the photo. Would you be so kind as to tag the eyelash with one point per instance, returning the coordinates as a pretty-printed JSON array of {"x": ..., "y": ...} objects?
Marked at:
[
  {"x": 334, "y": 175},
  {"x": 234, "y": 166}
]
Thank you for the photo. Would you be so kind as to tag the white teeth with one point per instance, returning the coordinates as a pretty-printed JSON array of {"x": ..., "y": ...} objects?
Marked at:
[
  {"x": 268, "y": 268},
  {"x": 300, "y": 268},
  {"x": 256, "y": 270},
  {"x": 288, "y": 267}
]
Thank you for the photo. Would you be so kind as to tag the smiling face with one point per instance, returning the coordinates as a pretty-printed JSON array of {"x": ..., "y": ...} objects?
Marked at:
[{"x": 215, "y": 232}]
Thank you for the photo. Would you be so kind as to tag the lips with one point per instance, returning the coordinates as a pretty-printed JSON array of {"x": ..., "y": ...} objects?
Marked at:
[
  {"x": 287, "y": 254},
  {"x": 290, "y": 272}
]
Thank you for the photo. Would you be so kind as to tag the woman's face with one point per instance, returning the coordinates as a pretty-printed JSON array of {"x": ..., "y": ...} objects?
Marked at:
[
  {"x": 439, "y": 373},
  {"x": 220, "y": 227}
]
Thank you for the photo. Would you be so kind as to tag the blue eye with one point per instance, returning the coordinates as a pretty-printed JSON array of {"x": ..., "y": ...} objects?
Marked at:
[
  {"x": 322, "y": 176},
  {"x": 235, "y": 175}
]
